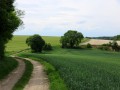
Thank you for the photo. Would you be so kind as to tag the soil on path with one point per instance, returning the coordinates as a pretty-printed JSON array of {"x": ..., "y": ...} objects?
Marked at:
[
  {"x": 39, "y": 80},
  {"x": 9, "y": 82}
]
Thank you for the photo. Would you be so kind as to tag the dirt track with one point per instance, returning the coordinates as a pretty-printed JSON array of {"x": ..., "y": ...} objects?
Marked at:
[
  {"x": 9, "y": 82},
  {"x": 39, "y": 80},
  {"x": 99, "y": 42}
]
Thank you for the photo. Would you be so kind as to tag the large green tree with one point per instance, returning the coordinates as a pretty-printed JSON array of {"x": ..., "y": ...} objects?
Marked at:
[
  {"x": 71, "y": 39},
  {"x": 36, "y": 43},
  {"x": 9, "y": 22}
]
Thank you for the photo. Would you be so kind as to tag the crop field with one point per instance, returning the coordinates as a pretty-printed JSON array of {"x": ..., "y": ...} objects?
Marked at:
[
  {"x": 18, "y": 43},
  {"x": 99, "y": 42},
  {"x": 81, "y": 69},
  {"x": 85, "y": 69}
]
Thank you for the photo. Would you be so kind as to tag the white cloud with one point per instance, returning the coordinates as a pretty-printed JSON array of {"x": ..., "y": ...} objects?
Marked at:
[{"x": 84, "y": 15}]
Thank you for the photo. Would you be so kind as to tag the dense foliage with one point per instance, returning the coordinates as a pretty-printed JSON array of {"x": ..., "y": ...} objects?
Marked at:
[
  {"x": 89, "y": 45},
  {"x": 71, "y": 39},
  {"x": 47, "y": 46},
  {"x": 111, "y": 46},
  {"x": 35, "y": 42},
  {"x": 9, "y": 22},
  {"x": 117, "y": 37},
  {"x": 115, "y": 46}
]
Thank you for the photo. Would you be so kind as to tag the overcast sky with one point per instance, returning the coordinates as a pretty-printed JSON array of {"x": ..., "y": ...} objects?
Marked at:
[{"x": 55, "y": 17}]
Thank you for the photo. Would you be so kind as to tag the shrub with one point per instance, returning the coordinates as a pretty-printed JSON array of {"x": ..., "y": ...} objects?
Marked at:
[
  {"x": 89, "y": 45},
  {"x": 47, "y": 46},
  {"x": 117, "y": 37},
  {"x": 111, "y": 46},
  {"x": 108, "y": 44},
  {"x": 115, "y": 46},
  {"x": 36, "y": 43},
  {"x": 100, "y": 47},
  {"x": 104, "y": 48}
]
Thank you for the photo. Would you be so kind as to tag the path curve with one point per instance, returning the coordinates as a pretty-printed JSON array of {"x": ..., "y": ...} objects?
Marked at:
[
  {"x": 9, "y": 82},
  {"x": 39, "y": 80}
]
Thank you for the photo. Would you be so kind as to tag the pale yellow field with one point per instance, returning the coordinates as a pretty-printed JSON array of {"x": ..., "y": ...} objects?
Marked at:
[{"x": 99, "y": 42}]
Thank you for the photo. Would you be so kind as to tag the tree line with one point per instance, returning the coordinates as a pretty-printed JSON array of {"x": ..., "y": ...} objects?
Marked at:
[{"x": 117, "y": 37}]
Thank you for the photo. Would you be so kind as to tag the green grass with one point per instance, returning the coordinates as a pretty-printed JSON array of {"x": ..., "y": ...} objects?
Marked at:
[
  {"x": 7, "y": 66},
  {"x": 56, "y": 83},
  {"x": 85, "y": 69},
  {"x": 18, "y": 43},
  {"x": 80, "y": 69},
  {"x": 26, "y": 76},
  {"x": 55, "y": 41}
]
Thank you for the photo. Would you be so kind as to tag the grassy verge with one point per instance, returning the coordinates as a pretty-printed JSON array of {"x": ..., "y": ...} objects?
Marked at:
[
  {"x": 26, "y": 76},
  {"x": 7, "y": 66},
  {"x": 56, "y": 83}
]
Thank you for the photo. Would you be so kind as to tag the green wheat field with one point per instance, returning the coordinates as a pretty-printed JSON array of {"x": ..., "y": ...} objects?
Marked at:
[{"x": 81, "y": 69}]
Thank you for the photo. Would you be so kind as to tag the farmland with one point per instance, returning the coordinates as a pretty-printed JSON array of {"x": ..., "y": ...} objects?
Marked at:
[
  {"x": 81, "y": 69},
  {"x": 85, "y": 69},
  {"x": 59, "y": 45},
  {"x": 99, "y": 42},
  {"x": 18, "y": 43}
]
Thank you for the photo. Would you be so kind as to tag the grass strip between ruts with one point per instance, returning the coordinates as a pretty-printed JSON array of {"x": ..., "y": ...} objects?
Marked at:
[
  {"x": 56, "y": 83},
  {"x": 26, "y": 76}
]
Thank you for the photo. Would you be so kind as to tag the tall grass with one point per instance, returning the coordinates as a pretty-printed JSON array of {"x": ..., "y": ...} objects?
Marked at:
[
  {"x": 90, "y": 70},
  {"x": 7, "y": 66},
  {"x": 82, "y": 69}
]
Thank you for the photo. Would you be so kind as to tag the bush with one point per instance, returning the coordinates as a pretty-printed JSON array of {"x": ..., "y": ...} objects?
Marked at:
[
  {"x": 89, "y": 45},
  {"x": 117, "y": 37},
  {"x": 47, "y": 46},
  {"x": 115, "y": 46},
  {"x": 104, "y": 48},
  {"x": 111, "y": 46},
  {"x": 36, "y": 43},
  {"x": 108, "y": 44}
]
